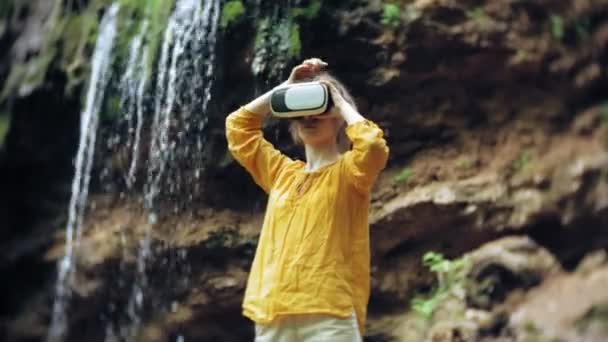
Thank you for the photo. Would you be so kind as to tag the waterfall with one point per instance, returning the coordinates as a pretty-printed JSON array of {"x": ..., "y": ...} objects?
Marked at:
[
  {"x": 182, "y": 93},
  {"x": 133, "y": 85},
  {"x": 84, "y": 160}
]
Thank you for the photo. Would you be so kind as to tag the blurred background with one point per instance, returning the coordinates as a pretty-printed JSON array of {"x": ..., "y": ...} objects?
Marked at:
[{"x": 124, "y": 218}]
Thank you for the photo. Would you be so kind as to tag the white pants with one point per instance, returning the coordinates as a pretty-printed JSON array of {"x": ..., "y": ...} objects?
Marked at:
[{"x": 309, "y": 328}]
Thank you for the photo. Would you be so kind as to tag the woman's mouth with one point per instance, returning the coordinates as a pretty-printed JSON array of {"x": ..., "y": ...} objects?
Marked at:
[{"x": 312, "y": 124}]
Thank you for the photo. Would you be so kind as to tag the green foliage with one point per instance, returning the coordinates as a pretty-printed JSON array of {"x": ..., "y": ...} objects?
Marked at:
[
  {"x": 464, "y": 163},
  {"x": 597, "y": 317},
  {"x": 477, "y": 14},
  {"x": 391, "y": 15},
  {"x": 158, "y": 15},
  {"x": 309, "y": 12},
  {"x": 604, "y": 113},
  {"x": 451, "y": 274},
  {"x": 134, "y": 13},
  {"x": 5, "y": 123},
  {"x": 521, "y": 161},
  {"x": 232, "y": 12},
  {"x": 557, "y": 27},
  {"x": 5, "y": 7},
  {"x": 295, "y": 44},
  {"x": 448, "y": 271},
  {"x": 278, "y": 43},
  {"x": 425, "y": 306},
  {"x": 111, "y": 109},
  {"x": 403, "y": 176}
]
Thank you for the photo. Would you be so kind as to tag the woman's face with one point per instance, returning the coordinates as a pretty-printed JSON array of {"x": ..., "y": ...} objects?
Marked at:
[{"x": 318, "y": 130}]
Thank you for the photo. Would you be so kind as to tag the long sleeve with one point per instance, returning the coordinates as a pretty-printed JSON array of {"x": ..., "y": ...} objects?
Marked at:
[
  {"x": 247, "y": 144},
  {"x": 368, "y": 155}
]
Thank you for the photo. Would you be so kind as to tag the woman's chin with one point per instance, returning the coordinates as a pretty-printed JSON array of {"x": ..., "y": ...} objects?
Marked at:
[{"x": 316, "y": 142}]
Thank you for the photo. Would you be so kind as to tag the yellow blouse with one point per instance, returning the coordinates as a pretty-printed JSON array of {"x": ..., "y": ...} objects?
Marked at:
[{"x": 313, "y": 253}]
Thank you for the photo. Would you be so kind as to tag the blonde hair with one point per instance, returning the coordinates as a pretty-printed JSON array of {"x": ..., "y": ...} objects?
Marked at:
[{"x": 341, "y": 139}]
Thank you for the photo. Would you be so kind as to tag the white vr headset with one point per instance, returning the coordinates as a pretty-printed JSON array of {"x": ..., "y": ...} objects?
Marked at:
[{"x": 300, "y": 99}]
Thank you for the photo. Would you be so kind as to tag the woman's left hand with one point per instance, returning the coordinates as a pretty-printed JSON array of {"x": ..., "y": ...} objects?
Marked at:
[
  {"x": 348, "y": 112},
  {"x": 336, "y": 96}
]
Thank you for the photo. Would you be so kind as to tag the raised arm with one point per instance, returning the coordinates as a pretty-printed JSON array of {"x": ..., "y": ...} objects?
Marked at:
[
  {"x": 369, "y": 153},
  {"x": 247, "y": 144},
  {"x": 245, "y": 138}
]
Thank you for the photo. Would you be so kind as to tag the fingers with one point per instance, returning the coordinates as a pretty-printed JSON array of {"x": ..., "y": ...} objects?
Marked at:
[
  {"x": 316, "y": 64},
  {"x": 301, "y": 70},
  {"x": 335, "y": 93},
  {"x": 309, "y": 68}
]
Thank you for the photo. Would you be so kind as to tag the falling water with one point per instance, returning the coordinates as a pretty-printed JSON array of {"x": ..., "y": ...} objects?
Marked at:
[
  {"x": 182, "y": 94},
  {"x": 84, "y": 160},
  {"x": 133, "y": 85},
  {"x": 172, "y": 50}
]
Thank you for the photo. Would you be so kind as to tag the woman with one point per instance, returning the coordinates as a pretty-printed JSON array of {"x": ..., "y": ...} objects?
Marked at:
[{"x": 309, "y": 280}]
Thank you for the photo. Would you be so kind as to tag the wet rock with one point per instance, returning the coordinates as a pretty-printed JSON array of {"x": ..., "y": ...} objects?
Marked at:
[
  {"x": 592, "y": 262},
  {"x": 485, "y": 202},
  {"x": 556, "y": 307},
  {"x": 500, "y": 266}
]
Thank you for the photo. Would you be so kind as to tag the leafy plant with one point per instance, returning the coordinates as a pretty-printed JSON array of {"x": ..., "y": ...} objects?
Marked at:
[
  {"x": 231, "y": 12},
  {"x": 309, "y": 12},
  {"x": 557, "y": 27},
  {"x": 391, "y": 15},
  {"x": 464, "y": 163},
  {"x": 4, "y": 126},
  {"x": 295, "y": 44},
  {"x": 451, "y": 274},
  {"x": 604, "y": 113},
  {"x": 403, "y": 176},
  {"x": 477, "y": 14},
  {"x": 521, "y": 161}
]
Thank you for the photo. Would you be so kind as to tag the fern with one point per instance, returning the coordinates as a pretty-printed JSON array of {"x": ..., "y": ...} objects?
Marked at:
[
  {"x": 403, "y": 176},
  {"x": 450, "y": 275},
  {"x": 391, "y": 15}
]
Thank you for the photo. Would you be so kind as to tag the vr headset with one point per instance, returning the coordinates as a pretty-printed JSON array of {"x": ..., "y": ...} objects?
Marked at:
[{"x": 300, "y": 99}]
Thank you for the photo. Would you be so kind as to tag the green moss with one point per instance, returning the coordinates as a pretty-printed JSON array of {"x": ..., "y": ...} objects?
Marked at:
[
  {"x": 295, "y": 44},
  {"x": 604, "y": 113},
  {"x": 476, "y": 14},
  {"x": 158, "y": 13},
  {"x": 309, "y": 12},
  {"x": 391, "y": 15},
  {"x": 597, "y": 316},
  {"x": 403, "y": 176},
  {"x": 5, "y": 7},
  {"x": 5, "y": 122},
  {"x": 464, "y": 163},
  {"x": 521, "y": 161},
  {"x": 112, "y": 108},
  {"x": 557, "y": 27},
  {"x": 232, "y": 12},
  {"x": 479, "y": 16}
]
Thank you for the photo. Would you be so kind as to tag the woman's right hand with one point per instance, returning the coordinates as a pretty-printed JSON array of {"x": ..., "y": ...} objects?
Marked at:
[{"x": 307, "y": 70}]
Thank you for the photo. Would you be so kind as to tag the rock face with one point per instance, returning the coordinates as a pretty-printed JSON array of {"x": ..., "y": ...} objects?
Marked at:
[{"x": 496, "y": 117}]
